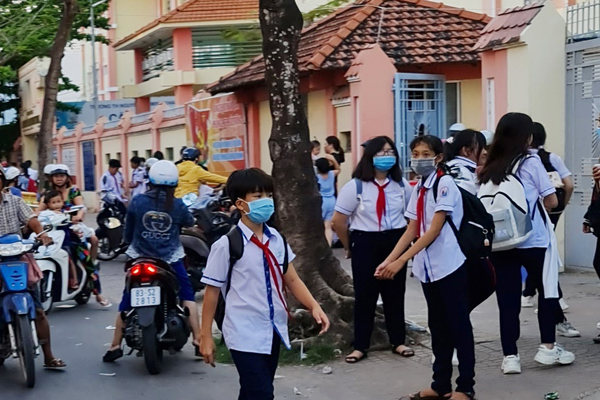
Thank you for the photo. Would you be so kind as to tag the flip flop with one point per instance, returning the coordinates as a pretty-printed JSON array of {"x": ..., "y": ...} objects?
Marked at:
[
  {"x": 354, "y": 359},
  {"x": 406, "y": 353},
  {"x": 105, "y": 303},
  {"x": 57, "y": 363},
  {"x": 417, "y": 396},
  {"x": 112, "y": 355},
  {"x": 197, "y": 350},
  {"x": 471, "y": 396}
]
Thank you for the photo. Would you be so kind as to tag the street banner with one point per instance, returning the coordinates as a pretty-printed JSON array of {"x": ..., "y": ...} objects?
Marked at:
[{"x": 217, "y": 127}]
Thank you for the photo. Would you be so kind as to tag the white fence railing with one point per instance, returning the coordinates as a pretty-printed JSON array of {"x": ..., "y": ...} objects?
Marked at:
[{"x": 583, "y": 21}]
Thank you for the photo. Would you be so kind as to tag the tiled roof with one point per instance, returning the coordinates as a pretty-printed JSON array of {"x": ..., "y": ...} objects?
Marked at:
[
  {"x": 202, "y": 11},
  {"x": 507, "y": 27},
  {"x": 414, "y": 32}
]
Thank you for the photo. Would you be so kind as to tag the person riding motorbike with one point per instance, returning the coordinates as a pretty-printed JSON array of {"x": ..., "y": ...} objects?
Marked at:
[
  {"x": 12, "y": 180},
  {"x": 155, "y": 221},
  {"x": 191, "y": 175},
  {"x": 13, "y": 214}
]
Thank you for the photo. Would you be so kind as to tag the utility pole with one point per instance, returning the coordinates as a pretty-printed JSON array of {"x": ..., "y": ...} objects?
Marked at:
[{"x": 94, "y": 71}]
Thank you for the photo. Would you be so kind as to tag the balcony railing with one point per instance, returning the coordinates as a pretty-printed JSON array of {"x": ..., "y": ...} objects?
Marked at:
[
  {"x": 112, "y": 124},
  {"x": 583, "y": 21},
  {"x": 174, "y": 112},
  {"x": 139, "y": 118},
  {"x": 88, "y": 129}
]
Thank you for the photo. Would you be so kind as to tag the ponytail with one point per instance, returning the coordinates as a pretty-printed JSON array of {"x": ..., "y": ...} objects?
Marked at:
[{"x": 469, "y": 138}]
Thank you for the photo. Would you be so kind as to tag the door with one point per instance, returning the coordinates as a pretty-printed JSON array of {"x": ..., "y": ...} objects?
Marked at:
[
  {"x": 582, "y": 144},
  {"x": 419, "y": 109}
]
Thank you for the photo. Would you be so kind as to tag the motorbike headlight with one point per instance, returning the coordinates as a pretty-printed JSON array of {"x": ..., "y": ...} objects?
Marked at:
[
  {"x": 13, "y": 249},
  {"x": 113, "y": 223}
]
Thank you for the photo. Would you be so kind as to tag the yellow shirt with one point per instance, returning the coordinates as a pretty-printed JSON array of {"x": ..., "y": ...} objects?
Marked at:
[{"x": 191, "y": 176}]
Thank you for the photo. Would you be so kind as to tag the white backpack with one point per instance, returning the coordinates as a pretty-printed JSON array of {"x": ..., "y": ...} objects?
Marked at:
[{"x": 508, "y": 206}]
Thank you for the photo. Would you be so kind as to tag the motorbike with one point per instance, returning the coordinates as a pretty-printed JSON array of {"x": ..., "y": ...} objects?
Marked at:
[
  {"x": 54, "y": 263},
  {"x": 156, "y": 322},
  {"x": 212, "y": 222},
  {"x": 111, "y": 223},
  {"x": 18, "y": 336}
]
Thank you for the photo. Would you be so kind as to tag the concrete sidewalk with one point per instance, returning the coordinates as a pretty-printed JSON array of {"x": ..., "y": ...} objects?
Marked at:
[{"x": 386, "y": 376}]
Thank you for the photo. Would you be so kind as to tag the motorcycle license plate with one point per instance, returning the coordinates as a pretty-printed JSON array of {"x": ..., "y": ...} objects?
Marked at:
[{"x": 145, "y": 297}]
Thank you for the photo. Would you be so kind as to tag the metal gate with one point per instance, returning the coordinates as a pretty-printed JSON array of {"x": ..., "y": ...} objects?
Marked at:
[
  {"x": 419, "y": 109},
  {"x": 582, "y": 143}
]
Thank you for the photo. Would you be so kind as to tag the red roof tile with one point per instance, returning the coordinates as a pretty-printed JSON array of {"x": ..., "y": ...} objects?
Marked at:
[
  {"x": 414, "y": 32},
  {"x": 507, "y": 27},
  {"x": 201, "y": 11}
]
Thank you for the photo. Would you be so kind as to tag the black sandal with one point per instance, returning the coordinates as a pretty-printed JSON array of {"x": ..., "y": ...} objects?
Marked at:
[
  {"x": 597, "y": 339},
  {"x": 354, "y": 359},
  {"x": 112, "y": 355},
  {"x": 417, "y": 396},
  {"x": 470, "y": 395}
]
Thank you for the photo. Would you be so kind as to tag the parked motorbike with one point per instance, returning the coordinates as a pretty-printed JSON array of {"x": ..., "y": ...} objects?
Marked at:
[
  {"x": 156, "y": 321},
  {"x": 18, "y": 336},
  {"x": 111, "y": 224},
  {"x": 54, "y": 263},
  {"x": 212, "y": 222}
]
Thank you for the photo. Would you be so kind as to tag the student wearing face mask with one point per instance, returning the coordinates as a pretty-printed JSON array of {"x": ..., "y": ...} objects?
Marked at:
[
  {"x": 440, "y": 265},
  {"x": 375, "y": 202}
]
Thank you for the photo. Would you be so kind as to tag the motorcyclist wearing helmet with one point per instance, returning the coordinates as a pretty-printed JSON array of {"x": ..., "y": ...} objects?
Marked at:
[
  {"x": 154, "y": 221},
  {"x": 191, "y": 175},
  {"x": 47, "y": 169},
  {"x": 12, "y": 180}
]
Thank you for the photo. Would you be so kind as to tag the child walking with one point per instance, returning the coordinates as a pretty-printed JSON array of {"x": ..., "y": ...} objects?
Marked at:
[
  {"x": 256, "y": 314},
  {"x": 326, "y": 180},
  {"x": 440, "y": 265}
]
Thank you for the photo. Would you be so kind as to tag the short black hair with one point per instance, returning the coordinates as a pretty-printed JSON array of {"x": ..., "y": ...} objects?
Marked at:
[
  {"x": 248, "y": 180},
  {"x": 323, "y": 165},
  {"x": 365, "y": 171},
  {"x": 539, "y": 135},
  {"x": 433, "y": 142},
  {"x": 158, "y": 155},
  {"x": 469, "y": 138},
  {"x": 50, "y": 194},
  {"x": 114, "y": 163},
  {"x": 136, "y": 160},
  {"x": 315, "y": 143}
]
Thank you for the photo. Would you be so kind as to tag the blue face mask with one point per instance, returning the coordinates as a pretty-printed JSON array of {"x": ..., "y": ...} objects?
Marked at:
[
  {"x": 384, "y": 163},
  {"x": 261, "y": 210}
]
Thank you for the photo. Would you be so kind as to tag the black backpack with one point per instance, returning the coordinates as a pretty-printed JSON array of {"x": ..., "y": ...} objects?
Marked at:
[
  {"x": 236, "y": 251},
  {"x": 476, "y": 232},
  {"x": 560, "y": 192}
]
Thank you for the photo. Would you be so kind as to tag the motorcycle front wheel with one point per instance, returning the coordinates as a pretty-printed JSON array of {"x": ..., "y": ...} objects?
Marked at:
[
  {"x": 105, "y": 253},
  {"x": 46, "y": 291},
  {"x": 152, "y": 352},
  {"x": 26, "y": 350}
]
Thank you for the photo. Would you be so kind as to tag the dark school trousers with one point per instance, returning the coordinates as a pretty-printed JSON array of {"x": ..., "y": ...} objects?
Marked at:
[
  {"x": 369, "y": 249},
  {"x": 597, "y": 258},
  {"x": 448, "y": 316},
  {"x": 508, "y": 291},
  {"x": 257, "y": 372}
]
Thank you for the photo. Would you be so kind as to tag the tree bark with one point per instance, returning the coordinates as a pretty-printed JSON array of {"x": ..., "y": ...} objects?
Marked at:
[
  {"x": 70, "y": 9},
  {"x": 296, "y": 194}
]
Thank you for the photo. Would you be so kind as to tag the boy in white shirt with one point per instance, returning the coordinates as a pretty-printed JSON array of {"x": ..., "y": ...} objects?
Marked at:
[{"x": 253, "y": 328}]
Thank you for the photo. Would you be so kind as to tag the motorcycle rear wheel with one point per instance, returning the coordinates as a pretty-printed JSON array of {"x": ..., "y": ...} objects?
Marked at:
[
  {"x": 153, "y": 354},
  {"x": 104, "y": 251},
  {"x": 26, "y": 350}
]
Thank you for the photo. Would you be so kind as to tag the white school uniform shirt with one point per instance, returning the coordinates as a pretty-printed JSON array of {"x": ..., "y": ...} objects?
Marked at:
[
  {"x": 138, "y": 176},
  {"x": 254, "y": 309},
  {"x": 112, "y": 183},
  {"x": 537, "y": 185},
  {"x": 557, "y": 163},
  {"x": 364, "y": 218},
  {"x": 464, "y": 172},
  {"x": 443, "y": 256}
]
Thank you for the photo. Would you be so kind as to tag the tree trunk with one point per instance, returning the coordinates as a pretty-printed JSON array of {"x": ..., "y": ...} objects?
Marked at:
[{"x": 70, "y": 9}]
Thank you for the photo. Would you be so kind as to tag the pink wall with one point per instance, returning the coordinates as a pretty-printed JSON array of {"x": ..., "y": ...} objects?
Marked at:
[
  {"x": 182, "y": 49},
  {"x": 494, "y": 65}
]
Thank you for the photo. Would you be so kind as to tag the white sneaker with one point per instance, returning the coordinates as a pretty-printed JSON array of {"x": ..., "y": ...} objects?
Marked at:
[
  {"x": 563, "y": 305},
  {"x": 554, "y": 356},
  {"x": 527, "y": 301},
  {"x": 454, "y": 359},
  {"x": 511, "y": 365},
  {"x": 567, "y": 330},
  {"x": 598, "y": 325}
]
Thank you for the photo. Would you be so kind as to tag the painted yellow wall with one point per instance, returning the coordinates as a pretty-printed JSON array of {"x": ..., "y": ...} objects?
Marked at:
[
  {"x": 174, "y": 138},
  {"x": 139, "y": 142},
  {"x": 110, "y": 146},
  {"x": 344, "y": 124},
  {"x": 317, "y": 117},
  {"x": 470, "y": 103},
  {"x": 518, "y": 81},
  {"x": 265, "y": 133}
]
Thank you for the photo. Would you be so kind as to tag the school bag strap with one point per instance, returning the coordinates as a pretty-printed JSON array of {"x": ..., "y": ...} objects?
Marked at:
[
  {"x": 236, "y": 251},
  {"x": 545, "y": 157}
]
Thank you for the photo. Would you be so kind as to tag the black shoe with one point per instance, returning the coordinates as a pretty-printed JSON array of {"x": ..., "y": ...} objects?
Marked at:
[
  {"x": 597, "y": 339},
  {"x": 112, "y": 355}
]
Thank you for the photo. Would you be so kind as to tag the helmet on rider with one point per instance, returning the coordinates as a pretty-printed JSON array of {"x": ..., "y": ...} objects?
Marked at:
[
  {"x": 150, "y": 162},
  {"x": 48, "y": 168},
  {"x": 58, "y": 169},
  {"x": 11, "y": 173},
  {"x": 164, "y": 173},
  {"x": 191, "y": 154}
]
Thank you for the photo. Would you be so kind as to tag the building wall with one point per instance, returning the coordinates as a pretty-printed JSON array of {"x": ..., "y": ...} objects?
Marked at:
[
  {"x": 317, "y": 115},
  {"x": 470, "y": 103},
  {"x": 111, "y": 147},
  {"x": 172, "y": 138},
  {"x": 265, "y": 132},
  {"x": 140, "y": 142},
  {"x": 344, "y": 124}
]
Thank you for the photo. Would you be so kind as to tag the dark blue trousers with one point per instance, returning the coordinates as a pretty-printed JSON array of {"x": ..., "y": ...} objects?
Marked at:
[
  {"x": 448, "y": 314},
  {"x": 257, "y": 372}
]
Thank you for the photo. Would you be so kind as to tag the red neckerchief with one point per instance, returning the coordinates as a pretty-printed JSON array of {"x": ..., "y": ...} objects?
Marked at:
[
  {"x": 421, "y": 204},
  {"x": 272, "y": 262},
  {"x": 380, "y": 206}
]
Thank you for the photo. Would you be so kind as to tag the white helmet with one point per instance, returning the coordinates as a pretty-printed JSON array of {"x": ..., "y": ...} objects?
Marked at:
[
  {"x": 48, "y": 169},
  {"x": 60, "y": 169},
  {"x": 150, "y": 162},
  {"x": 457, "y": 127},
  {"x": 489, "y": 136},
  {"x": 11, "y": 173},
  {"x": 164, "y": 173}
]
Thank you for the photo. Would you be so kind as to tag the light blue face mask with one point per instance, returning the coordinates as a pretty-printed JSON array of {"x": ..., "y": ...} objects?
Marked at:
[
  {"x": 384, "y": 163},
  {"x": 261, "y": 210}
]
